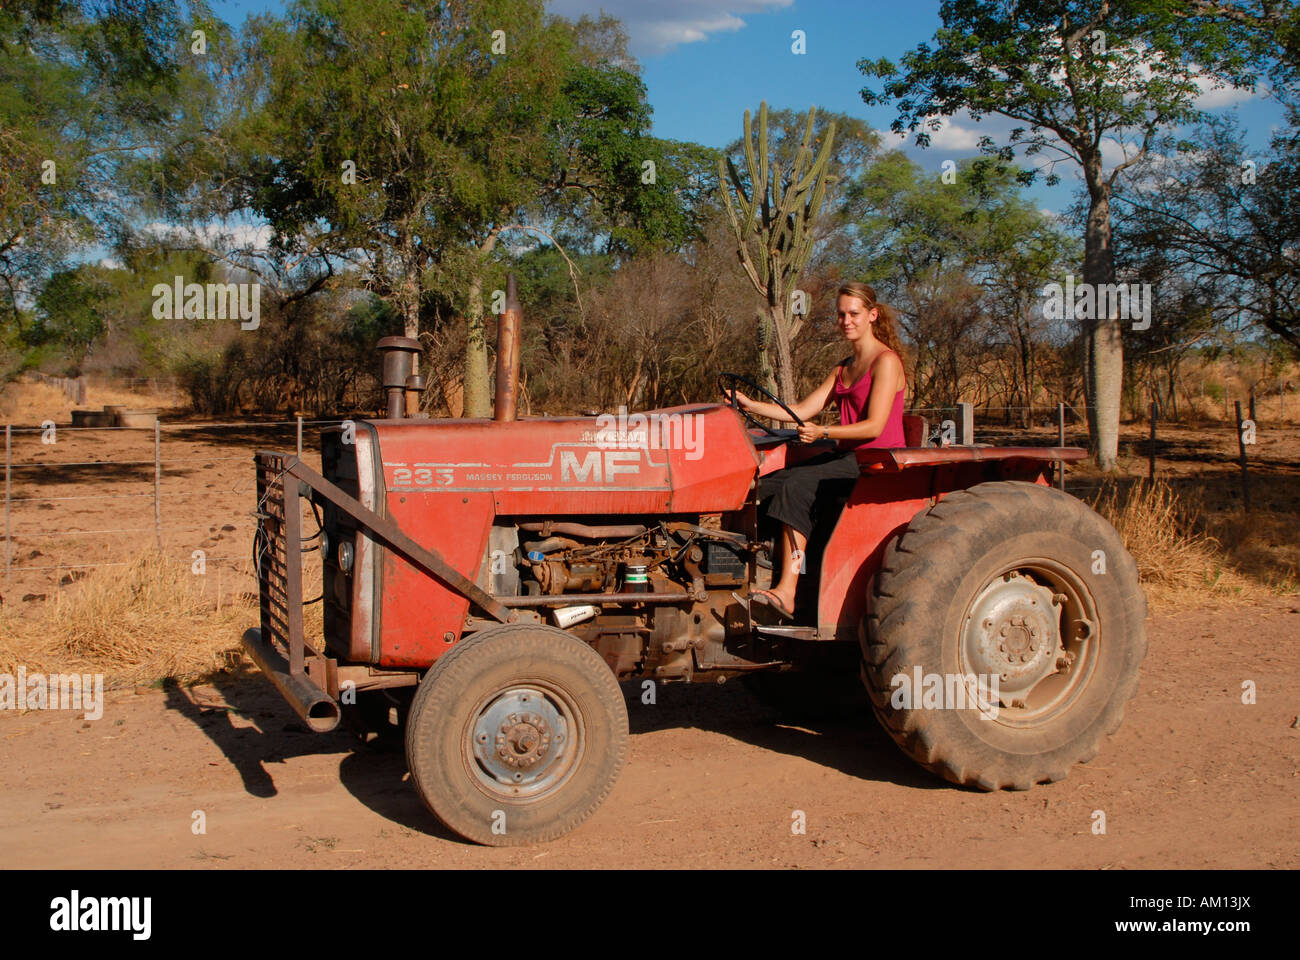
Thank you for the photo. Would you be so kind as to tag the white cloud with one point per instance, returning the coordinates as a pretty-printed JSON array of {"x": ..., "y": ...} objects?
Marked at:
[
  {"x": 656, "y": 28},
  {"x": 958, "y": 135},
  {"x": 1212, "y": 98},
  {"x": 234, "y": 236}
]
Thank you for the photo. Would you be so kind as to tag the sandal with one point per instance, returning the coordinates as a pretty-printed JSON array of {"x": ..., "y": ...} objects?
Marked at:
[{"x": 768, "y": 599}]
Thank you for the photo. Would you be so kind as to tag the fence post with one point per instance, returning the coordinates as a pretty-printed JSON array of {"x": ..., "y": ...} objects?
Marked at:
[
  {"x": 1151, "y": 452},
  {"x": 965, "y": 424},
  {"x": 1060, "y": 442},
  {"x": 157, "y": 482},
  {"x": 1245, "y": 476},
  {"x": 299, "y": 437},
  {"x": 9, "y": 537}
]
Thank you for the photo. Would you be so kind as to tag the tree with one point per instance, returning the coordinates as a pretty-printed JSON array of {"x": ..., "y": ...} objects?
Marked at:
[
  {"x": 71, "y": 311},
  {"x": 1074, "y": 73},
  {"x": 963, "y": 257},
  {"x": 1225, "y": 219},
  {"x": 85, "y": 87},
  {"x": 415, "y": 136},
  {"x": 773, "y": 228}
]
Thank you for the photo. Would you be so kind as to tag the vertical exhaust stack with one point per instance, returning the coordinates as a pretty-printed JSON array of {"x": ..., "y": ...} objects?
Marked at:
[
  {"x": 508, "y": 356},
  {"x": 399, "y": 358},
  {"x": 414, "y": 388}
]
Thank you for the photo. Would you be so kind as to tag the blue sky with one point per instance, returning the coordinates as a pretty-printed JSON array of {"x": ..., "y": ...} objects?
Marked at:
[{"x": 705, "y": 61}]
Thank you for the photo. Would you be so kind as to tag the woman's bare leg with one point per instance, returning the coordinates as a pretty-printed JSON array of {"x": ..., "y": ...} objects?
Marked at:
[{"x": 792, "y": 556}]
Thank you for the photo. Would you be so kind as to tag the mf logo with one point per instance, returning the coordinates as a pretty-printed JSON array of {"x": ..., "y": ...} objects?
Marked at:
[{"x": 598, "y": 466}]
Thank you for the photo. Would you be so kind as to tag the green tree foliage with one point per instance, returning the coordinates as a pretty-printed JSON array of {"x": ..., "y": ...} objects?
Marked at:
[
  {"x": 85, "y": 87},
  {"x": 71, "y": 311},
  {"x": 411, "y": 136}
]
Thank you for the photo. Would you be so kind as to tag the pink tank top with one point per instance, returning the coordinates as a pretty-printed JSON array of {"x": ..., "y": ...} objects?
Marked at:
[{"x": 853, "y": 408}]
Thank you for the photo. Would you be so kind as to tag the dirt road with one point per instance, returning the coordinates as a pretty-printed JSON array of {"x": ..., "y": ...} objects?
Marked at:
[{"x": 1194, "y": 778}]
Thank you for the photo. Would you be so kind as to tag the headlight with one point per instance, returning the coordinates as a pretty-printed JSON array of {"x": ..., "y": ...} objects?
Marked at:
[
  {"x": 345, "y": 557},
  {"x": 324, "y": 544}
]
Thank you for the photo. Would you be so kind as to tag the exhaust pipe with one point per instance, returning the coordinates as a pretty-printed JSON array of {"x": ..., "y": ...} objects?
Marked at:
[
  {"x": 317, "y": 708},
  {"x": 399, "y": 355},
  {"x": 508, "y": 325}
]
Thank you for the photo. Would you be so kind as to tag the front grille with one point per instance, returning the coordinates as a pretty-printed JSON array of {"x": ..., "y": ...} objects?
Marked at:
[{"x": 270, "y": 551}]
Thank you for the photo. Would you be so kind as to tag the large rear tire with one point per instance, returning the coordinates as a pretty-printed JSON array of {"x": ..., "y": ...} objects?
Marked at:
[
  {"x": 516, "y": 735},
  {"x": 1015, "y": 581}
]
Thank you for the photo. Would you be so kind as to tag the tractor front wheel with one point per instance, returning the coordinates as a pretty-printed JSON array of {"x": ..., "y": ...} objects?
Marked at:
[
  {"x": 516, "y": 735},
  {"x": 1005, "y": 634}
]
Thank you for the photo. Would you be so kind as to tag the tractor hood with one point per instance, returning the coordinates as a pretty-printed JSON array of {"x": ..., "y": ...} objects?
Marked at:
[{"x": 688, "y": 459}]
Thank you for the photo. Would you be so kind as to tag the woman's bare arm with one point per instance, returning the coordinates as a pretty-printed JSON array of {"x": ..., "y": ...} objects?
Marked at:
[
  {"x": 886, "y": 381},
  {"x": 805, "y": 409}
]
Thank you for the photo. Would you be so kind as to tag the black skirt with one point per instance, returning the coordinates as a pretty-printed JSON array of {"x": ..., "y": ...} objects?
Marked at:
[{"x": 795, "y": 491}]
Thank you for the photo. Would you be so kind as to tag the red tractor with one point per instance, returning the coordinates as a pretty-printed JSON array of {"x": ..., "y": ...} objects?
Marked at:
[{"x": 490, "y": 582}]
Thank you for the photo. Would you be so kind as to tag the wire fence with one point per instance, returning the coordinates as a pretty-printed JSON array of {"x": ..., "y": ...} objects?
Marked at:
[{"x": 189, "y": 511}]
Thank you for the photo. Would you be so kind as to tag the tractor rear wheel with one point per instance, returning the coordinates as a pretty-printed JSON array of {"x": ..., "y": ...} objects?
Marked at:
[
  {"x": 516, "y": 735},
  {"x": 1005, "y": 634}
]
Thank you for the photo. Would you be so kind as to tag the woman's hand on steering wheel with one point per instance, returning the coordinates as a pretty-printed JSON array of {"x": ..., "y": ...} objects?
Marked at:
[
  {"x": 811, "y": 433},
  {"x": 727, "y": 384},
  {"x": 742, "y": 402}
]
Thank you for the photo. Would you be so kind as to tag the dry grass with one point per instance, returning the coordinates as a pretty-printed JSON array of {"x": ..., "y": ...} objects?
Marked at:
[
  {"x": 23, "y": 402},
  {"x": 1178, "y": 560},
  {"x": 138, "y": 624}
]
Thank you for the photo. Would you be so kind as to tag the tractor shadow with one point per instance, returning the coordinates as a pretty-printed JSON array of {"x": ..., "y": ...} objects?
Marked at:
[
  {"x": 374, "y": 773},
  {"x": 853, "y": 745}
]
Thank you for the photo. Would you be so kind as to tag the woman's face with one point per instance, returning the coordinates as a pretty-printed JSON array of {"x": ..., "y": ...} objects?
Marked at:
[{"x": 855, "y": 318}]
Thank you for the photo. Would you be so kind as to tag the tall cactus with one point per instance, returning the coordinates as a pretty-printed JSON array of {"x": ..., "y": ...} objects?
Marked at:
[{"x": 773, "y": 230}]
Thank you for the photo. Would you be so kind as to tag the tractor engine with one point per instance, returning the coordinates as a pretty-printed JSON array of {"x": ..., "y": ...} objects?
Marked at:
[{"x": 673, "y": 579}]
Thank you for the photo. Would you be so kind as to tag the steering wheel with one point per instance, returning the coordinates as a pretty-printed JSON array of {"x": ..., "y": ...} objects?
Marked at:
[{"x": 727, "y": 384}]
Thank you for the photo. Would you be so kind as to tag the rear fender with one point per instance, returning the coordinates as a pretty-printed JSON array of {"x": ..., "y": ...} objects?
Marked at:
[{"x": 896, "y": 485}]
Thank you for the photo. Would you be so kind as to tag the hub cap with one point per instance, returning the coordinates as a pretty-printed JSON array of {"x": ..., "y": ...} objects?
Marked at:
[
  {"x": 521, "y": 744},
  {"x": 1013, "y": 633},
  {"x": 1034, "y": 628}
]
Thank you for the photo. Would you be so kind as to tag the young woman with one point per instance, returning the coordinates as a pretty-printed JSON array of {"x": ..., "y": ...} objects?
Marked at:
[{"x": 869, "y": 386}]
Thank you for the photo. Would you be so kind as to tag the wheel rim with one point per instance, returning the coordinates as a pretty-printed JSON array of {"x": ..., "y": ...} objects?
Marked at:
[
  {"x": 1034, "y": 627},
  {"x": 524, "y": 741}
]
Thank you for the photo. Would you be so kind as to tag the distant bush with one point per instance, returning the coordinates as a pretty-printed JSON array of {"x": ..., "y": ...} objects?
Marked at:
[{"x": 212, "y": 381}]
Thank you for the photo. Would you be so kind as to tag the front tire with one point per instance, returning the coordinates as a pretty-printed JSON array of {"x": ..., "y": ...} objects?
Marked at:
[
  {"x": 1013, "y": 581},
  {"x": 516, "y": 735}
]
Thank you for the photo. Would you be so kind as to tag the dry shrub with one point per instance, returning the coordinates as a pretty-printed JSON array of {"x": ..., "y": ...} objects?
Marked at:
[
  {"x": 149, "y": 620},
  {"x": 1166, "y": 537}
]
